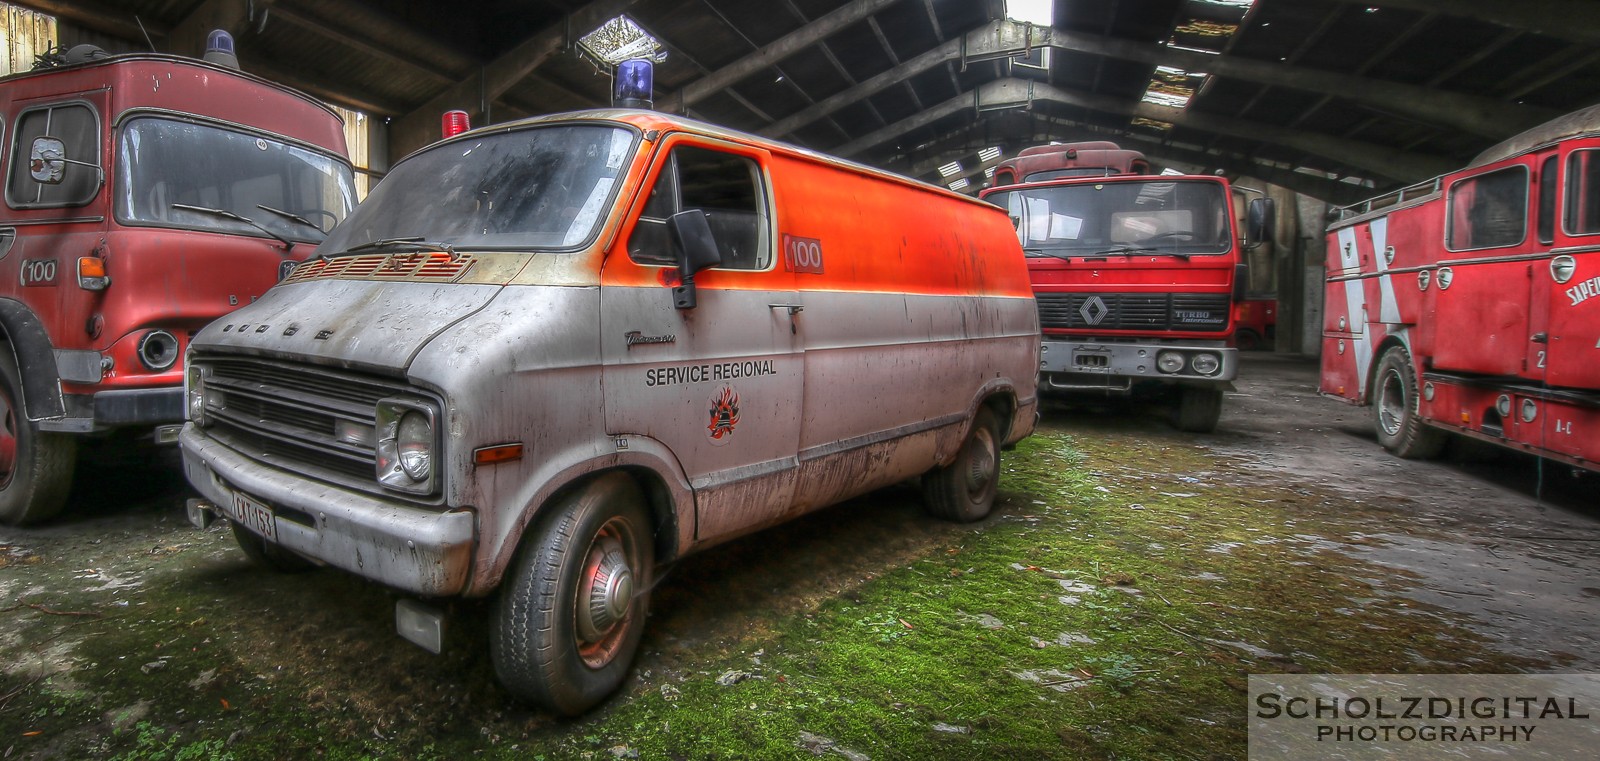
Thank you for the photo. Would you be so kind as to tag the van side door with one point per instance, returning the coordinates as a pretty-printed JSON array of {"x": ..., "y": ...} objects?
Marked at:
[{"x": 720, "y": 383}]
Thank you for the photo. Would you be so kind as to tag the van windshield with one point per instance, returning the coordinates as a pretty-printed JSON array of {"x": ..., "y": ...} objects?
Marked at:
[
  {"x": 1178, "y": 217},
  {"x": 545, "y": 188},
  {"x": 181, "y": 174}
]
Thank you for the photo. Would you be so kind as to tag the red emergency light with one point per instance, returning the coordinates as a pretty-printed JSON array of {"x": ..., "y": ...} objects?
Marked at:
[{"x": 454, "y": 123}]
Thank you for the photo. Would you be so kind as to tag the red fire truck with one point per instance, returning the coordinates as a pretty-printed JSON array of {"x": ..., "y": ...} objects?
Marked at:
[
  {"x": 1466, "y": 304},
  {"x": 1135, "y": 274},
  {"x": 145, "y": 196}
]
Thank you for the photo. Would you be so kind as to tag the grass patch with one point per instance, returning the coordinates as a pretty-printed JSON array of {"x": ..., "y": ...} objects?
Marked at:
[{"x": 1112, "y": 609}]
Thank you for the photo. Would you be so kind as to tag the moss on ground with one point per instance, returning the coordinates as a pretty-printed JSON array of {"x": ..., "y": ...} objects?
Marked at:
[{"x": 1112, "y": 609}]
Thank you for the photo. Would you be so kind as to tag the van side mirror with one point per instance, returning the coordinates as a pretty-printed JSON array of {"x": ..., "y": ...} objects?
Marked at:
[
  {"x": 47, "y": 161},
  {"x": 696, "y": 248},
  {"x": 1260, "y": 221}
]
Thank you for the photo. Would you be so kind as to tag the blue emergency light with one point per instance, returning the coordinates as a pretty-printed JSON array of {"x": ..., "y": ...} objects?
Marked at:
[
  {"x": 634, "y": 84},
  {"x": 219, "y": 49}
]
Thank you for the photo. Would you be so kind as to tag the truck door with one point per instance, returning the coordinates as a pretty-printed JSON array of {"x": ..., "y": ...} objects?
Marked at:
[
  {"x": 1482, "y": 282},
  {"x": 719, "y": 384}
]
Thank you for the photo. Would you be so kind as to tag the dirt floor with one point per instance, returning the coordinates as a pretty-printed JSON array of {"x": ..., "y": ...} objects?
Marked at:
[{"x": 121, "y": 627}]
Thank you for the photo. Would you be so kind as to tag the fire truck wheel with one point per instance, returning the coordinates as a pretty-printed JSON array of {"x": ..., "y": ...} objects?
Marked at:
[
  {"x": 963, "y": 491},
  {"x": 35, "y": 466},
  {"x": 1247, "y": 340},
  {"x": 572, "y": 607},
  {"x": 1394, "y": 410},
  {"x": 267, "y": 555},
  {"x": 1197, "y": 409}
]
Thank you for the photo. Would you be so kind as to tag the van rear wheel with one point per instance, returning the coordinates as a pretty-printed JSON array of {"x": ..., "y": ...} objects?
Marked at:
[
  {"x": 571, "y": 610},
  {"x": 35, "y": 466},
  {"x": 964, "y": 490}
]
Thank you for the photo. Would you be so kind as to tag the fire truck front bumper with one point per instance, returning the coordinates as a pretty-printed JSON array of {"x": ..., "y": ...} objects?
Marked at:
[{"x": 1106, "y": 365}]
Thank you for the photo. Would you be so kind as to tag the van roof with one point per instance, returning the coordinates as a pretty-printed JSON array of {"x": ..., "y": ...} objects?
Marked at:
[
  {"x": 646, "y": 121},
  {"x": 122, "y": 60}
]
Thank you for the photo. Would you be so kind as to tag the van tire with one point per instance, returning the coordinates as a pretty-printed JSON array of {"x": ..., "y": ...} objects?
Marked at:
[
  {"x": 964, "y": 490},
  {"x": 1197, "y": 409},
  {"x": 35, "y": 466},
  {"x": 268, "y": 555},
  {"x": 546, "y": 648},
  {"x": 1395, "y": 406}
]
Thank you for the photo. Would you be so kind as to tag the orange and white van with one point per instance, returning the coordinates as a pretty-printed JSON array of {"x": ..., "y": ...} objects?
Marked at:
[{"x": 544, "y": 356}]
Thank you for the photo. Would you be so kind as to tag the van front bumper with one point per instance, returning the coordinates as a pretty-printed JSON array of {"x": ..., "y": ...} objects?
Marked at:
[{"x": 425, "y": 552}]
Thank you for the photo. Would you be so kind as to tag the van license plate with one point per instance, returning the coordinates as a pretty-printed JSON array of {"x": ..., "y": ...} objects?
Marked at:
[{"x": 254, "y": 515}]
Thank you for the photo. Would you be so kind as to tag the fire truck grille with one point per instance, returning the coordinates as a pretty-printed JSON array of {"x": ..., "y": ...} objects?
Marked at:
[
  {"x": 310, "y": 420},
  {"x": 1206, "y": 312}
]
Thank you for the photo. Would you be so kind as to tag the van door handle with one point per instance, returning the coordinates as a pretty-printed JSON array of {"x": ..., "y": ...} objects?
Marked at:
[{"x": 793, "y": 308}]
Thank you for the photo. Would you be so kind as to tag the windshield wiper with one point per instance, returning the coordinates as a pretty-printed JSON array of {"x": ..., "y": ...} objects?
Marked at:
[
  {"x": 225, "y": 214},
  {"x": 1126, "y": 250},
  {"x": 409, "y": 242},
  {"x": 293, "y": 217},
  {"x": 1042, "y": 252}
]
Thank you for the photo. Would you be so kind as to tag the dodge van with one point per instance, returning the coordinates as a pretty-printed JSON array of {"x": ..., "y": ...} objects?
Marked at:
[{"x": 544, "y": 356}]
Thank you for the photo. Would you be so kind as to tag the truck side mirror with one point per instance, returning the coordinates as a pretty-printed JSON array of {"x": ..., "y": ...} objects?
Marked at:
[
  {"x": 1260, "y": 221},
  {"x": 47, "y": 161},
  {"x": 697, "y": 250}
]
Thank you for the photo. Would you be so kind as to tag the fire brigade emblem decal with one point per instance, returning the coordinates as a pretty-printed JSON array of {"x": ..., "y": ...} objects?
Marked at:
[
  {"x": 724, "y": 415},
  {"x": 1093, "y": 310}
]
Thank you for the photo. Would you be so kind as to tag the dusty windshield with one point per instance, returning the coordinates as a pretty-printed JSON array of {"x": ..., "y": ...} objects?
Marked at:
[
  {"x": 1180, "y": 217},
  {"x": 546, "y": 188},
  {"x": 195, "y": 176}
]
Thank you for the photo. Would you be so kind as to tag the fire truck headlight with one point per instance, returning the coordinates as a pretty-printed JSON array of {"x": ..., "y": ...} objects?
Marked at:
[
  {"x": 406, "y": 444},
  {"x": 158, "y": 350},
  {"x": 1205, "y": 364},
  {"x": 1169, "y": 361}
]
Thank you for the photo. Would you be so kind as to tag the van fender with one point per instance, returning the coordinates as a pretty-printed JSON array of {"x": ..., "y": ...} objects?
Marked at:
[
  {"x": 649, "y": 461},
  {"x": 1015, "y": 416},
  {"x": 36, "y": 360}
]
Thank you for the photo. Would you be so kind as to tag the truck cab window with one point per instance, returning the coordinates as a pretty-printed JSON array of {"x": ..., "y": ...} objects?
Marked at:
[
  {"x": 1490, "y": 210},
  {"x": 727, "y": 188},
  {"x": 1582, "y": 213},
  {"x": 1547, "y": 201},
  {"x": 78, "y": 129}
]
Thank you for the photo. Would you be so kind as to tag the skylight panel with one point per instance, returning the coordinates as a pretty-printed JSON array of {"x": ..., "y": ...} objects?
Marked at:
[{"x": 621, "y": 39}]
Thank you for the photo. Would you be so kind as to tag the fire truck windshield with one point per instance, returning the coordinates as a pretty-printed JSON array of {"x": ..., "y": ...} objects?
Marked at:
[
  {"x": 544, "y": 188},
  {"x": 181, "y": 174},
  {"x": 1178, "y": 217}
]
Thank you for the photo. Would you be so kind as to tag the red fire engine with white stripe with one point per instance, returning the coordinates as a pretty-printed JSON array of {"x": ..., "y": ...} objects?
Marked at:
[{"x": 1468, "y": 304}]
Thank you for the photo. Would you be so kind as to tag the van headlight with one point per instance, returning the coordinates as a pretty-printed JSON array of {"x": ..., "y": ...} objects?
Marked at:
[
  {"x": 407, "y": 444},
  {"x": 195, "y": 379}
]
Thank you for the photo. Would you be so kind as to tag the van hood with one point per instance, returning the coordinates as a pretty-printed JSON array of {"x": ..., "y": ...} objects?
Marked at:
[{"x": 356, "y": 324}]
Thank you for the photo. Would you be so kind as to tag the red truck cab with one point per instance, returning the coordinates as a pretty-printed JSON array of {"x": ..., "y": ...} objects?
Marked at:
[
  {"x": 1135, "y": 274},
  {"x": 145, "y": 195}
]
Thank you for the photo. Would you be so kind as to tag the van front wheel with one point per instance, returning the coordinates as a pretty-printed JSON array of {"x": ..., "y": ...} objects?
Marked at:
[
  {"x": 964, "y": 490},
  {"x": 571, "y": 610}
]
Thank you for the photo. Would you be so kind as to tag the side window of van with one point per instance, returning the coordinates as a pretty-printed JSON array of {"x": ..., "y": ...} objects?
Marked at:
[
  {"x": 78, "y": 130},
  {"x": 727, "y": 188},
  {"x": 1489, "y": 211}
]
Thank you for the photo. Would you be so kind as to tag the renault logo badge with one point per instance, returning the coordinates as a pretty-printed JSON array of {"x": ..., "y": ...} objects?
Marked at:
[{"x": 1093, "y": 310}]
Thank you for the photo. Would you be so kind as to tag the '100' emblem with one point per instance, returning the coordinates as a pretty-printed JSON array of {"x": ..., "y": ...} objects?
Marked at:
[{"x": 37, "y": 272}]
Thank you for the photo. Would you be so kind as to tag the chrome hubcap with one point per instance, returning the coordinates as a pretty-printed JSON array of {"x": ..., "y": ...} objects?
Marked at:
[{"x": 607, "y": 590}]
